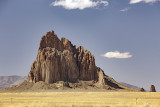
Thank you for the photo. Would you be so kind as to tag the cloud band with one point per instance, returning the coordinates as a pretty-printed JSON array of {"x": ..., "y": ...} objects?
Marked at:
[
  {"x": 146, "y": 1},
  {"x": 117, "y": 54},
  {"x": 79, "y": 4}
]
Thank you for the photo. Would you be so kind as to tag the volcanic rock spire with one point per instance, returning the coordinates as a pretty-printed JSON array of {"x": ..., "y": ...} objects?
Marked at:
[{"x": 59, "y": 60}]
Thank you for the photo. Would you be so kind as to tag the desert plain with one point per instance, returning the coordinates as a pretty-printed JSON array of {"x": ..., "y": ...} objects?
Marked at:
[{"x": 80, "y": 99}]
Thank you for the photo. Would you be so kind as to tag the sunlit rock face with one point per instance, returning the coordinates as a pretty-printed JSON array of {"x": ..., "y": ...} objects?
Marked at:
[{"x": 59, "y": 60}]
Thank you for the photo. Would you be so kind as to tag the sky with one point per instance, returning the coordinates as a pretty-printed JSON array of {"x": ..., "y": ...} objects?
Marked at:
[{"x": 123, "y": 35}]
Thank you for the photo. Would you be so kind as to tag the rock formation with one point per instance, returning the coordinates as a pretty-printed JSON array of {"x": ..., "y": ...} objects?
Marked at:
[
  {"x": 152, "y": 89},
  {"x": 142, "y": 90},
  {"x": 60, "y": 60}
]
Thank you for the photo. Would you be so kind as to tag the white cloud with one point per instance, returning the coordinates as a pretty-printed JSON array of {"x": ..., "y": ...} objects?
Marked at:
[
  {"x": 79, "y": 4},
  {"x": 146, "y": 1},
  {"x": 125, "y": 9},
  {"x": 117, "y": 54}
]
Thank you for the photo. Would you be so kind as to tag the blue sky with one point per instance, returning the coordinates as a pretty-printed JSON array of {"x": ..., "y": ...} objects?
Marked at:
[{"x": 131, "y": 27}]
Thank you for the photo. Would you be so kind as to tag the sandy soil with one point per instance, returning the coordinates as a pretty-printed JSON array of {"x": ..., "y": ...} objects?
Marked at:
[{"x": 80, "y": 99}]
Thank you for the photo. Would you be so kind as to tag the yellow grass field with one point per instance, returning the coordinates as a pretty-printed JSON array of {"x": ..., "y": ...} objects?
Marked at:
[{"x": 80, "y": 99}]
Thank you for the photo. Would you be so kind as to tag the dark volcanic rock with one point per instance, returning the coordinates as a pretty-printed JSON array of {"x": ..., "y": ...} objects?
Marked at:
[
  {"x": 142, "y": 90},
  {"x": 86, "y": 65},
  {"x": 152, "y": 89},
  {"x": 59, "y": 60},
  {"x": 51, "y": 40}
]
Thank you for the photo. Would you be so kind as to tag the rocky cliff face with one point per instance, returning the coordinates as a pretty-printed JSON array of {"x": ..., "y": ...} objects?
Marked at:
[{"x": 60, "y": 60}]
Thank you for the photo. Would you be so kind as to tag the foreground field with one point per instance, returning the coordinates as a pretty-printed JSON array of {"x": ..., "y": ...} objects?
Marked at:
[{"x": 80, "y": 99}]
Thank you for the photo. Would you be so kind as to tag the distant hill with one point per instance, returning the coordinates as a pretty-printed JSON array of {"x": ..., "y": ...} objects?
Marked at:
[
  {"x": 129, "y": 85},
  {"x": 8, "y": 81}
]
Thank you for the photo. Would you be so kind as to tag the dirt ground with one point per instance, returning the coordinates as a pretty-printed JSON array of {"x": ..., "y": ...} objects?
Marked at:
[{"x": 80, "y": 99}]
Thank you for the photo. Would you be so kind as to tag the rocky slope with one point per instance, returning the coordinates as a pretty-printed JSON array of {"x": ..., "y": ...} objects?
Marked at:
[
  {"x": 59, "y": 60},
  {"x": 129, "y": 85}
]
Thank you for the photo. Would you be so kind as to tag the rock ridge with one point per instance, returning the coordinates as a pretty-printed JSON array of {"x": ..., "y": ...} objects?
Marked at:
[{"x": 60, "y": 60}]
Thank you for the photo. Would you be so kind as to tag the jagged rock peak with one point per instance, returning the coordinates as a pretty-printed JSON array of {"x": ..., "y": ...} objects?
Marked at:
[
  {"x": 59, "y": 60},
  {"x": 152, "y": 89},
  {"x": 67, "y": 44},
  {"x": 51, "y": 33},
  {"x": 51, "y": 40}
]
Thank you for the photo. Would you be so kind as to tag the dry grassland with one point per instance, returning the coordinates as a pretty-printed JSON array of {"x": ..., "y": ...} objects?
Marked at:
[{"x": 80, "y": 99}]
